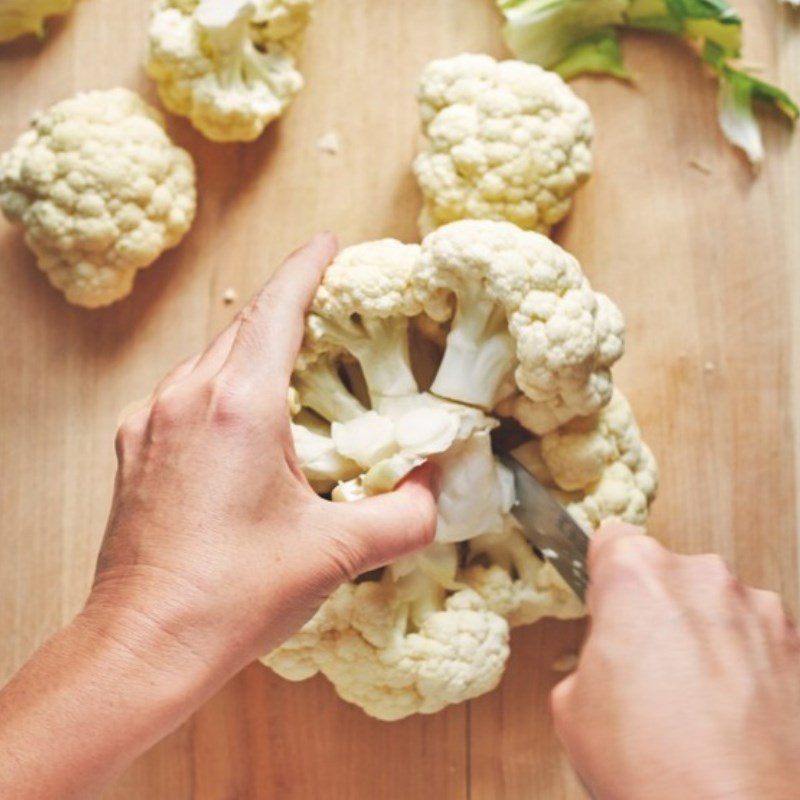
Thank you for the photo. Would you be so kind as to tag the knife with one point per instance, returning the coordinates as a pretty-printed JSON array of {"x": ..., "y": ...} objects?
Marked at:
[{"x": 548, "y": 526}]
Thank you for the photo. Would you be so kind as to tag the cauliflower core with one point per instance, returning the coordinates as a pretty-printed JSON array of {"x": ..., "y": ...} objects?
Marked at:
[
  {"x": 18, "y": 17},
  {"x": 506, "y": 141},
  {"x": 227, "y": 65},
  {"x": 408, "y": 351},
  {"x": 101, "y": 192}
]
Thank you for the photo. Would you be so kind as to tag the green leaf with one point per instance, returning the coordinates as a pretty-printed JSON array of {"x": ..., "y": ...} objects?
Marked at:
[
  {"x": 545, "y": 31},
  {"x": 575, "y": 37},
  {"x": 598, "y": 54}
]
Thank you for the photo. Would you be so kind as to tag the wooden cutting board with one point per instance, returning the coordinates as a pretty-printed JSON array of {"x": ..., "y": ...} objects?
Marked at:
[{"x": 704, "y": 263}]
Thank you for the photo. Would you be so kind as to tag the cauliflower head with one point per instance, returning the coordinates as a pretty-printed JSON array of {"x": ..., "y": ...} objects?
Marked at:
[
  {"x": 409, "y": 352},
  {"x": 18, "y": 17},
  {"x": 506, "y": 141},
  {"x": 101, "y": 192},
  {"x": 227, "y": 65}
]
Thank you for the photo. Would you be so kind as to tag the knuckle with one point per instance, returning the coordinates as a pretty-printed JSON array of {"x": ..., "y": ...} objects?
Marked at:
[
  {"x": 227, "y": 404},
  {"x": 129, "y": 434},
  {"x": 346, "y": 556},
  {"x": 170, "y": 408},
  {"x": 770, "y": 606},
  {"x": 714, "y": 571},
  {"x": 633, "y": 556},
  {"x": 561, "y": 699}
]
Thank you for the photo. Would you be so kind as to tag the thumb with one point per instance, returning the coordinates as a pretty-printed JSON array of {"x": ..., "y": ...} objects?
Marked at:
[{"x": 391, "y": 525}]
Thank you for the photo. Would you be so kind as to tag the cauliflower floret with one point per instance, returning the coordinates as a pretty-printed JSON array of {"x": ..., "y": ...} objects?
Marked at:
[
  {"x": 228, "y": 65},
  {"x": 101, "y": 191},
  {"x": 514, "y": 582},
  {"x": 520, "y": 302},
  {"x": 598, "y": 466},
  {"x": 394, "y": 656},
  {"x": 362, "y": 307},
  {"x": 507, "y": 141},
  {"x": 18, "y": 17}
]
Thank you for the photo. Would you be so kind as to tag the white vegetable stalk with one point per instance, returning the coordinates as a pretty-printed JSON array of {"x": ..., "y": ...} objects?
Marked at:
[
  {"x": 738, "y": 122},
  {"x": 381, "y": 348},
  {"x": 480, "y": 352},
  {"x": 319, "y": 459},
  {"x": 226, "y": 24},
  {"x": 322, "y": 390}
]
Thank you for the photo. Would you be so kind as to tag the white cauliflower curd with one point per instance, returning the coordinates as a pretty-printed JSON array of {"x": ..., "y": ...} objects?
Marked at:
[
  {"x": 18, "y": 17},
  {"x": 506, "y": 141},
  {"x": 227, "y": 65},
  {"x": 101, "y": 192},
  {"x": 410, "y": 352}
]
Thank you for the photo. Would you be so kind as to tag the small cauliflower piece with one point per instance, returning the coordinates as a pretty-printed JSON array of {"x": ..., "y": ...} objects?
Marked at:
[
  {"x": 227, "y": 65},
  {"x": 101, "y": 192},
  {"x": 506, "y": 141},
  {"x": 18, "y": 17},
  {"x": 522, "y": 304},
  {"x": 362, "y": 308},
  {"x": 322, "y": 464}
]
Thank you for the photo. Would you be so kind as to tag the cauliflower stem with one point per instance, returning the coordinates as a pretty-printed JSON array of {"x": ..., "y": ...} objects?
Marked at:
[
  {"x": 322, "y": 390},
  {"x": 380, "y": 345},
  {"x": 479, "y": 352},
  {"x": 239, "y": 64}
]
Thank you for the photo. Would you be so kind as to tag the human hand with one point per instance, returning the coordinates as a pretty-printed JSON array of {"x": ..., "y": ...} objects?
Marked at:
[
  {"x": 214, "y": 535},
  {"x": 688, "y": 684}
]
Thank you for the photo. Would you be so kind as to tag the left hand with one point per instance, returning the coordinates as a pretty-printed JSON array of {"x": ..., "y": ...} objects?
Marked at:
[{"x": 214, "y": 535}]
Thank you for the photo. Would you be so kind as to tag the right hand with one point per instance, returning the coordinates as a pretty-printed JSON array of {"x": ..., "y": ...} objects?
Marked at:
[{"x": 688, "y": 684}]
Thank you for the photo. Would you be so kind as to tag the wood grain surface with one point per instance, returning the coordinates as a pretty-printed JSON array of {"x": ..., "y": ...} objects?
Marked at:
[{"x": 705, "y": 265}]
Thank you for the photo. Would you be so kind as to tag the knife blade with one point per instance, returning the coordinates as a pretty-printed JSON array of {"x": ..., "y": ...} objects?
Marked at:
[{"x": 548, "y": 526}]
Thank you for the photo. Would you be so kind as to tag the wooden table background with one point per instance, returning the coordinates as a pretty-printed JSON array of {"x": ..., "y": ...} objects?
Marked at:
[{"x": 705, "y": 267}]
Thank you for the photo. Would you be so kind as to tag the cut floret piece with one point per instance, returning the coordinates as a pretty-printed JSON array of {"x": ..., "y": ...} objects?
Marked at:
[
  {"x": 322, "y": 464},
  {"x": 522, "y": 304},
  {"x": 101, "y": 191},
  {"x": 228, "y": 65},
  {"x": 506, "y": 140}
]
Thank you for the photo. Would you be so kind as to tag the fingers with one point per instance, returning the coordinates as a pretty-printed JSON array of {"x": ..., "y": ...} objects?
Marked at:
[
  {"x": 383, "y": 528},
  {"x": 271, "y": 328},
  {"x": 771, "y": 613},
  {"x": 561, "y": 700},
  {"x": 626, "y": 573},
  {"x": 607, "y": 537}
]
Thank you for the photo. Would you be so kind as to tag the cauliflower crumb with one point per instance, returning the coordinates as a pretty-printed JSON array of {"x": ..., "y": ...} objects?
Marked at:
[
  {"x": 329, "y": 143},
  {"x": 227, "y": 65},
  {"x": 101, "y": 192},
  {"x": 566, "y": 662},
  {"x": 700, "y": 166}
]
